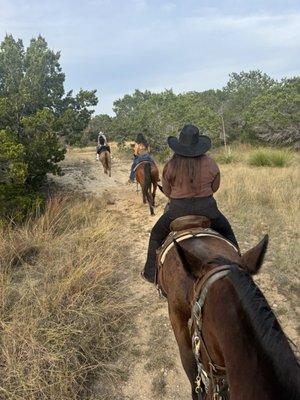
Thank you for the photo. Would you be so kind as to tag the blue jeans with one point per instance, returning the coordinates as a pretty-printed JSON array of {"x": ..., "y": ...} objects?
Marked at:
[{"x": 136, "y": 161}]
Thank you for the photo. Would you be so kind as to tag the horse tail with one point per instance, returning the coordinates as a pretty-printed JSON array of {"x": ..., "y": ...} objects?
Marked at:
[{"x": 147, "y": 185}]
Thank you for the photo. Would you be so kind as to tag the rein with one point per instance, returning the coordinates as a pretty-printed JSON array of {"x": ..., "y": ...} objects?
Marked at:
[{"x": 216, "y": 376}]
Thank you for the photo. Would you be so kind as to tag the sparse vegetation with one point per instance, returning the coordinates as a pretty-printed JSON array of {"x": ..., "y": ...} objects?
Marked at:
[{"x": 64, "y": 306}]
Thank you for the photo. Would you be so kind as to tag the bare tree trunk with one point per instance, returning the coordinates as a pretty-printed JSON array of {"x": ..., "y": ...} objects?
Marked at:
[{"x": 224, "y": 133}]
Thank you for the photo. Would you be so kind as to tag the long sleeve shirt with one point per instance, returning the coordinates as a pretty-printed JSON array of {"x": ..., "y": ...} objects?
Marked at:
[{"x": 206, "y": 179}]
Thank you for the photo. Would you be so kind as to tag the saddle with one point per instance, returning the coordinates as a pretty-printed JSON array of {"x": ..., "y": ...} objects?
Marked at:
[
  {"x": 189, "y": 222},
  {"x": 187, "y": 227}
]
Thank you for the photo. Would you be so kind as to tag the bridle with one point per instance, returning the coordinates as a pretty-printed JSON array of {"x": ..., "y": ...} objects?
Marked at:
[{"x": 216, "y": 375}]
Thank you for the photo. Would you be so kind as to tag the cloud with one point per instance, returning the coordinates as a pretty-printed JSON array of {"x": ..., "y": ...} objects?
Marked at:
[
  {"x": 140, "y": 5},
  {"x": 117, "y": 46},
  {"x": 168, "y": 7}
]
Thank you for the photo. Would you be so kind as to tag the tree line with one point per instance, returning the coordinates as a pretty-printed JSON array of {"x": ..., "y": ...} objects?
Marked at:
[
  {"x": 37, "y": 119},
  {"x": 252, "y": 107}
]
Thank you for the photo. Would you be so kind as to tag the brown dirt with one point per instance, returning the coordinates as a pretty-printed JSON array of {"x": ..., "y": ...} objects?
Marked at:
[{"x": 155, "y": 369}]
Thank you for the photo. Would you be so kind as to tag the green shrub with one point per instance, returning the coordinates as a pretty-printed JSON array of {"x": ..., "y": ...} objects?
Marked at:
[
  {"x": 162, "y": 156},
  {"x": 270, "y": 158},
  {"x": 17, "y": 202},
  {"x": 35, "y": 114},
  {"x": 225, "y": 158}
]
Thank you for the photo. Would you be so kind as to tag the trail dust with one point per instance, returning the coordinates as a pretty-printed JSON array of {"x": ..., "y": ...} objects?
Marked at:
[{"x": 154, "y": 366}]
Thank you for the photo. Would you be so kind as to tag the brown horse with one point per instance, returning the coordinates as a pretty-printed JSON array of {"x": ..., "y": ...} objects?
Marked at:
[
  {"x": 105, "y": 159},
  {"x": 229, "y": 340},
  {"x": 147, "y": 175}
]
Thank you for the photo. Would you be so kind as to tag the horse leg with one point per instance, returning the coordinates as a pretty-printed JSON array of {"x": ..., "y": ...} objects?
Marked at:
[
  {"x": 182, "y": 335},
  {"x": 154, "y": 192}
]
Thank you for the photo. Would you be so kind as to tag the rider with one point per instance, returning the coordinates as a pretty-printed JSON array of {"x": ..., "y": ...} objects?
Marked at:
[
  {"x": 102, "y": 146},
  {"x": 141, "y": 153},
  {"x": 103, "y": 137},
  {"x": 189, "y": 180}
]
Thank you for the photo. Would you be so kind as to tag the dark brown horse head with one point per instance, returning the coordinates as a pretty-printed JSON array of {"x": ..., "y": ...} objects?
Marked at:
[{"x": 195, "y": 258}]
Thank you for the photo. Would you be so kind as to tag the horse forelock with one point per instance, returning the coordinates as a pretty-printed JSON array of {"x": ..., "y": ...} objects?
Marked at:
[{"x": 268, "y": 334}]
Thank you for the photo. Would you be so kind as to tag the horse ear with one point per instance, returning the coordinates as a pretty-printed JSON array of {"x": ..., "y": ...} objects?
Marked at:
[
  {"x": 190, "y": 262},
  {"x": 252, "y": 260}
]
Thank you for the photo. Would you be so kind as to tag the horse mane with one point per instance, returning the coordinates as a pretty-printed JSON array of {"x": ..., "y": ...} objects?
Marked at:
[{"x": 268, "y": 334}]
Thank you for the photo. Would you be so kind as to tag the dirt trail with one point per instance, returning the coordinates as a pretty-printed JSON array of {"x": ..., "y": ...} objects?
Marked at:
[{"x": 155, "y": 367}]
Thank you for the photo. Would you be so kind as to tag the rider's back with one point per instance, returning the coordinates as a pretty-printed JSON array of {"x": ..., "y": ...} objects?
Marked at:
[{"x": 186, "y": 177}]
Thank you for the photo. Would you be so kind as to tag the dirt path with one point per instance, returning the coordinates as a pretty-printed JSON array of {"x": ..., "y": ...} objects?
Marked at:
[{"x": 155, "y": 370}]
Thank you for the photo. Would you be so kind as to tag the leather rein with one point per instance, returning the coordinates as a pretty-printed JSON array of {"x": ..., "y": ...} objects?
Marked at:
[{"x": 216, "y": 375}]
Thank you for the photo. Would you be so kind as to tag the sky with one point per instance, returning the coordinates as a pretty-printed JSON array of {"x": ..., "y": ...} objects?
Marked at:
[{"x": 117, "y": 46}]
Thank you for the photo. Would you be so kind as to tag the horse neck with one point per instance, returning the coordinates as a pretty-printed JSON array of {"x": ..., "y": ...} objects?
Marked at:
[{"x": 231, "y": 343}]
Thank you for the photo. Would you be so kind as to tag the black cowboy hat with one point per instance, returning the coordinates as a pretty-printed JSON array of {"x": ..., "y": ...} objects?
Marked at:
[
  {"x": 190, "y": 142},
  {"x": 140, "y": 138}
]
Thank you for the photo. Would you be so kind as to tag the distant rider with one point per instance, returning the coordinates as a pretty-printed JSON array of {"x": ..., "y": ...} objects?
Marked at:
[
  {"x": 102, "y": 146},
  {"x": 103, "y": 137},
  {"x": 141, "y": 153}
]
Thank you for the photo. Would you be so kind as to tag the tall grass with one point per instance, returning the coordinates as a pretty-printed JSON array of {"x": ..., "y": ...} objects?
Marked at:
[
  {"x": 65, "y": 310},
  {"x": 266, "y": 157},
  {"x": 266, "y": 201}
]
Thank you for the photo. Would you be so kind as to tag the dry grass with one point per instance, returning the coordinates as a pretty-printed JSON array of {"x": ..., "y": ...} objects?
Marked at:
[
  {"x": 266, "y": 200},
  {"x": 64, "y": 308}
]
